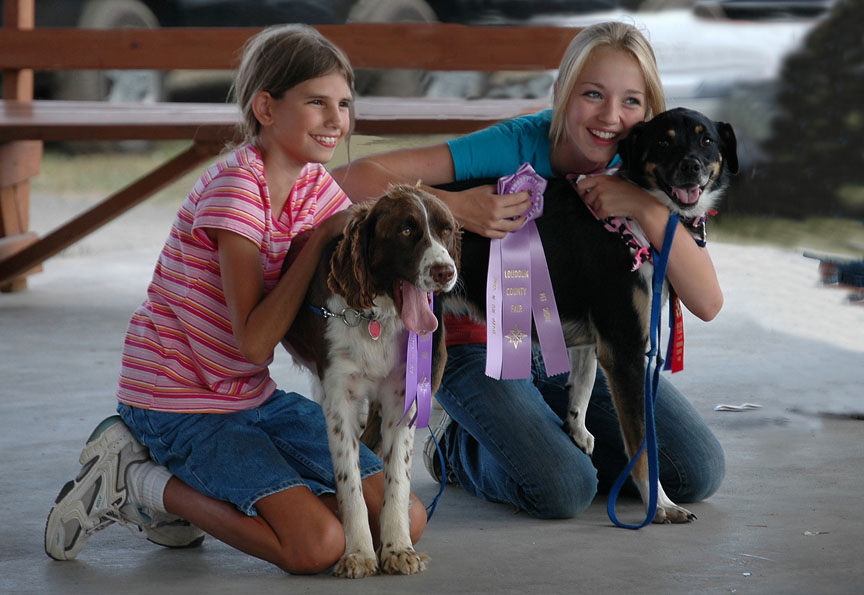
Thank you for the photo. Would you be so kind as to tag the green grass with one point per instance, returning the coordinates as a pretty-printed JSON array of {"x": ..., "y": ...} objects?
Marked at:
[
  {"x": 819, "y": 234},
  {"x": 70, "y": 174},
  {"x": 74, "y": 174},
  {"x": 95, "y": 175}
]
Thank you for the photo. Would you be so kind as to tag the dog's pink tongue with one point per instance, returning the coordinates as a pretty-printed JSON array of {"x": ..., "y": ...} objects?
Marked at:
[
  {"x": 416, "y": 315},
  {"x": 688, "y": 195}
]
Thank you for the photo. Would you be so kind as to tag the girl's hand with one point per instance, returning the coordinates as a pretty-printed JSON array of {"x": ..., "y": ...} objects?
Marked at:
[{"x": 484, "y": 212}]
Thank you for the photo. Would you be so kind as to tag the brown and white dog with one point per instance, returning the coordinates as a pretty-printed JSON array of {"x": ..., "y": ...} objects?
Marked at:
[{"x": 373, "y": 284}]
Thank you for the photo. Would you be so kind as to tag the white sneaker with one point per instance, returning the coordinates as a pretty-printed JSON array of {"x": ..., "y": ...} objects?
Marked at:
[
  {"x": 433, "y": 443},
  {"x": 98, "y": 496},
  {"x": 162, "y": 528}
]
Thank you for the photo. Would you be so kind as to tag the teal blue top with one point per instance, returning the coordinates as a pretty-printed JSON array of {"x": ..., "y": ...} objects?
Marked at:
[{"x": 500, "y": 149}]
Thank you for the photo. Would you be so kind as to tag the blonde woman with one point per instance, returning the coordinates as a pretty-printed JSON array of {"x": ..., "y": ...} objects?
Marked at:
[{"x": 502, "y": 438}]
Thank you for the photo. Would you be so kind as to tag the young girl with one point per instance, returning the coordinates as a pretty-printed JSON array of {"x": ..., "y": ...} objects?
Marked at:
[
  {"x": 505, "y": 441},
  {"x": 246, "y": 462}
]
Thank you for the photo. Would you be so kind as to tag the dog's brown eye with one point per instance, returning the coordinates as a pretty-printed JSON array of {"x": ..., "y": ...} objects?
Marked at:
[
  {"x": 446, "y": 231},
  {"x": 707, "y": 142},
  {"x": 406, "y": 232}
]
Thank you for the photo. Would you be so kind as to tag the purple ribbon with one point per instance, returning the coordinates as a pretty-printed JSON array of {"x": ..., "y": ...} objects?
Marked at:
[
  {"x": 518, "y": 287},
  {"x": 418, "y": 376}
]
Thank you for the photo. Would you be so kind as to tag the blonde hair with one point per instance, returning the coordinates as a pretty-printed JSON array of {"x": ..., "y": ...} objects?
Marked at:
[
  {"x": 279, "y": 58},
  {"x": 614, "y": 35}
]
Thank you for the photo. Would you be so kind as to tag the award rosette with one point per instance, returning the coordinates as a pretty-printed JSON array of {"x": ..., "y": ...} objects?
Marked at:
[{"x": 518, "y": 288}]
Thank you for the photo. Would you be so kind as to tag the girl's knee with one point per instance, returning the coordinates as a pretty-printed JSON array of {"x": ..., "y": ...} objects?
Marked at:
[
  {"x": 417, "y": 518},
  {"x": 314, "y": 552}
]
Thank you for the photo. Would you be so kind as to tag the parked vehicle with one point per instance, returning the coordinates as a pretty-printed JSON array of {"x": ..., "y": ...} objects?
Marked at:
[
  {"x": 151, "y": 85},
  {"x": 763, "y": 9}
]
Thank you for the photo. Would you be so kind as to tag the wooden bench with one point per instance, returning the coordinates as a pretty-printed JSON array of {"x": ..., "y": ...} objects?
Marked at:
[{"x": 25, "y": 123}]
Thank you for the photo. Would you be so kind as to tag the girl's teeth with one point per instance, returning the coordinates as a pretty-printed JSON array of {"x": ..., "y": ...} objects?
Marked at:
[{"x": 603, "y": 134}]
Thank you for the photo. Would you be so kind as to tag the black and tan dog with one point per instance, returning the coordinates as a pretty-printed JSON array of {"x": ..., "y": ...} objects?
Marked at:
[{"x": 683, "y": 159}]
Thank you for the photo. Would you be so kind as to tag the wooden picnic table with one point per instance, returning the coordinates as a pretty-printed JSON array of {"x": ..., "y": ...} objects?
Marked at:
[
  {"x": 26, "y": 123},
  {"x": 210, "y": 127}
]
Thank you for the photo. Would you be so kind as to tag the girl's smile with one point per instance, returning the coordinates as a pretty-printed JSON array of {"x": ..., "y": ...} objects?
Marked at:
[{"x": 327, "y": 141}]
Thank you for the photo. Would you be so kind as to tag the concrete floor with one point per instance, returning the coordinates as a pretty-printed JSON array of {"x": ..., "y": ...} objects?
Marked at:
[{"x": 786, "y": 520}]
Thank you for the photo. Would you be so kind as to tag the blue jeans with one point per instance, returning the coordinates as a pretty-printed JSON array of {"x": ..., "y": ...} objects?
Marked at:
[
  {"x": 244, "y": 456},
  {"x": 508, "y": 445}
]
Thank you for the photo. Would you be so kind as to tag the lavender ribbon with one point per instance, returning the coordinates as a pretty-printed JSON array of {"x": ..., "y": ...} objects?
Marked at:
[
  {"x": 518, "y": 286},
  {"x": 418, "y": 376}
]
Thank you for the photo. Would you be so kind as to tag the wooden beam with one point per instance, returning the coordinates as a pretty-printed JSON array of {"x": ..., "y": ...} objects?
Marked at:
[
  {"x": 49, "y": 120},
  {"x": 19, "y": 162},
  {"x": 19, "y": 14},
  {"x": 10, "y": 245},
  {"x": 107, "y": 210},
  {"x": 429, "y": 46},
  {"x": 18, "y": 17}
]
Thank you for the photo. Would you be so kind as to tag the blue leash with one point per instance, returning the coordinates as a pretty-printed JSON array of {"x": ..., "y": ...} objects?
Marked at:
[{"x": 652, "y": 379}]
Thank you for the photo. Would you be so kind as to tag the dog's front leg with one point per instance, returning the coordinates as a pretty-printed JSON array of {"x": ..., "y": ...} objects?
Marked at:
[
  {"x": 583, "y": 369},
  {"x": 397, "y": 554},
  {"x": 339, "y": 401},
  {"x": 626, "y": 382},
  {"x": 667, "y": 511}
]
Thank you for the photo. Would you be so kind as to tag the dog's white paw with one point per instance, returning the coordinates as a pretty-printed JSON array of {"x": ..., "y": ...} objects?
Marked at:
[
  {"x": 356, "y": 565},
  {"x": 582, "y": 437},
  {"x": 672, "y": 513},
  {"x": 403, "y": 561}
]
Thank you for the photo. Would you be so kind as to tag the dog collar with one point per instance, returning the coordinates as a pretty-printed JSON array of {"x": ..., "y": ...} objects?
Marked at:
[
  {"x": 700, "y": 225},
  {"x": 351, "y": 318}
]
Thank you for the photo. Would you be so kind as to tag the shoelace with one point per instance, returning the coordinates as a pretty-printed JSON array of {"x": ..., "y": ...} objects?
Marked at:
[{"x": 113, "y": 515}]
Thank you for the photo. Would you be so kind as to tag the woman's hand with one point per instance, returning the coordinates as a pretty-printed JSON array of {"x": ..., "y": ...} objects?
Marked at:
[
  {"x": 477, "y": 209},
  {"x": 690, "y": 271},
  {"x": 484, "y": 212},
  {"x": 611, "y": 196}
]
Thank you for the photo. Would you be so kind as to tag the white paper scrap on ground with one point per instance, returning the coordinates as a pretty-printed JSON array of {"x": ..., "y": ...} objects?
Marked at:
[{"x": 741, "y": 407}]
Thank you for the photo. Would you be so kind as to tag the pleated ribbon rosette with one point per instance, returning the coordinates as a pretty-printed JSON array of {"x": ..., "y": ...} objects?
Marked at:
[{"x": 518, "y": 288}]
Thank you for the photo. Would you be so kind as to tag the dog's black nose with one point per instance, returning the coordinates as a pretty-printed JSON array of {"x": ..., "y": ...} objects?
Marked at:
[{"x": 690, "y": 166}]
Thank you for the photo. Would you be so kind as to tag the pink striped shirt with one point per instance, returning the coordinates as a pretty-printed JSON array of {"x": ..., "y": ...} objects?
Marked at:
[{"x": 180, "y": 353}]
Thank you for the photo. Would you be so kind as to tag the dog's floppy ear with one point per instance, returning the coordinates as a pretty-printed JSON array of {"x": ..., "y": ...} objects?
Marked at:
[
  {"x": 729, "y": 146},
  {"x": 349, "y": 267},
  {"x": 628, "y": 147}
]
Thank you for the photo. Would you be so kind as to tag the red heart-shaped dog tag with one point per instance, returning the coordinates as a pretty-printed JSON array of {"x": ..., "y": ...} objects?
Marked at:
[{"x": 374, "y": 329}]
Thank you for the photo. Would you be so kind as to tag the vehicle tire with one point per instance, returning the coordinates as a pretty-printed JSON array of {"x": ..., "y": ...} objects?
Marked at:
[
  {"x": 658, "y": 5},
  {"x": 375, "y": 11},
  {"x": 112, "y": 85},
  {"x": 393, "y": 82}
]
